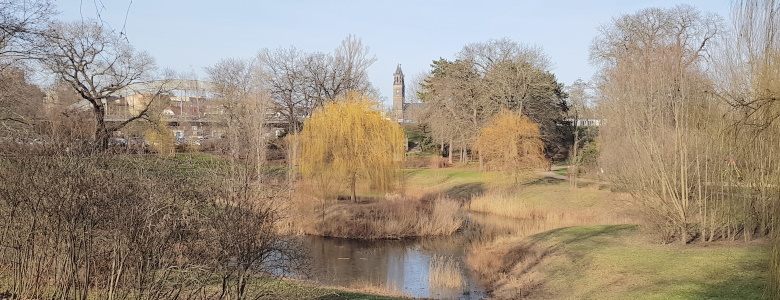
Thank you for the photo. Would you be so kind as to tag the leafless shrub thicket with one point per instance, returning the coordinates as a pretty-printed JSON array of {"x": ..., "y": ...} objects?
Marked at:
[
  {"x": 119, "y": 227},
  {"x": 666, "y": 139},
  {"x": 690, "y": 116}
]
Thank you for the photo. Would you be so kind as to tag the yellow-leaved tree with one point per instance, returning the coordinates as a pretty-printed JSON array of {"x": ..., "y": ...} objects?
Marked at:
[
  {"x": 510, "y": 143},
  {"x": 160, "y": 139},
  {"x": 349, "y": 140}
]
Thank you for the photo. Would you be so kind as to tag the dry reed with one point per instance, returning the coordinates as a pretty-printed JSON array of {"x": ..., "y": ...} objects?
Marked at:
[
  {"x": 367, "y": 287},
  {"x": 382, "y": 219},
  {"x": 549, "y": 213},
  {"x": 445, "y": 271}
]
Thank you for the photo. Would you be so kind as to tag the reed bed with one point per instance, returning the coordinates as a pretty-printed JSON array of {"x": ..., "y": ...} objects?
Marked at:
[
  {"x": 549, "y": 207},
  {"x": 393, "y": 218},
  {"x": 445, "y": 271}
]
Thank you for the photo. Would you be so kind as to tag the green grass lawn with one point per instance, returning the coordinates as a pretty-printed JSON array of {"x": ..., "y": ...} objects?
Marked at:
[
  {"x": 619, "y": 262},
  {"x": 443, "y": 179}
]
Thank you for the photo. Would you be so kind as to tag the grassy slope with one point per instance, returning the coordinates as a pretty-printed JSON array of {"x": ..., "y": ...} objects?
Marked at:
[
  {"x": 618, "y": 262},
  {"x": 607, "y": 262},
  {"x": 452, "y": 182}
]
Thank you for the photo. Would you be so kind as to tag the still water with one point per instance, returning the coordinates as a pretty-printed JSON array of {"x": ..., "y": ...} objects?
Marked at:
[{"x": 403, "y": 265}]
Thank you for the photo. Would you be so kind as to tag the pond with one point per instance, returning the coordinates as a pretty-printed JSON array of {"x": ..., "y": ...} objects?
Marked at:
[{"x": 404, "y": 266}]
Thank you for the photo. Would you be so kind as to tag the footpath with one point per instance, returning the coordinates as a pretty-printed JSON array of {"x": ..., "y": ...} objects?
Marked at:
[{"x": 552, "y": 174}]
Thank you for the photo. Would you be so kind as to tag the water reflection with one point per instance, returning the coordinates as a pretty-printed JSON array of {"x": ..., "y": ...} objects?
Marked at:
[
  {"x": 403, "y": 265},
  {"x": 396, "y": 265}
]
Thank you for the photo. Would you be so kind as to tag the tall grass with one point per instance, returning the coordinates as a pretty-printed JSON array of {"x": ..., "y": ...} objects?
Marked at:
[
  {"x": 367, "y": 287},
  {"x": 773, "y": 286},
  {"x": 445, "y": 271},
  {"x": 556, "y": 206}
]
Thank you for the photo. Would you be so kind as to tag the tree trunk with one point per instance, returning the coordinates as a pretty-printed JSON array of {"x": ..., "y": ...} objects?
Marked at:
[
  {"x": 683, "y": 234},
  {"x": 449, "y": 158},
  {"x": 575, "y": 159},
  {"x": 352, "y": 183},
  {"x": 102, "y": 133}
]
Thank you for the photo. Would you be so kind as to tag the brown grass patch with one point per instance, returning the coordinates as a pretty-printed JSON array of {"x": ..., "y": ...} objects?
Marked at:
[
  {"x": 507, "y": 267},
  {"x": 555, "y": 206},
  {"x": 367, "y": 287}
]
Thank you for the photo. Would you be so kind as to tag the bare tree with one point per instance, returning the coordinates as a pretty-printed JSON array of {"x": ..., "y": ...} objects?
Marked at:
[
  {"x": 244, "y": 107},
  {"x": 655, "y": 99},
  {"x": 579, "y": 104},
  {"x": 517, "y": 77},
  {"x": 511, "y": 70},
  {"x": 22, "y": 25},
  {"x": 96, "y": 63},
  {"x": 21, "y": 103},
  {"x": 299, "y": 82},
  {"x": 285, "y": 78},
  {"x": 333, "y": 75}
]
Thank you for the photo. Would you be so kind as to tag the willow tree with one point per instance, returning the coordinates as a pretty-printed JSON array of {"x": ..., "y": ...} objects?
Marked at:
[
  {"x": 349, "y": 140},
  {"x": 748, "y": 79},
  {"x": 511, "y": 143}
]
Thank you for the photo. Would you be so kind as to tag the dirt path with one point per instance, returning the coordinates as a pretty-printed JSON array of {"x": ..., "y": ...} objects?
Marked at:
[{"x": 552, "y": 174}]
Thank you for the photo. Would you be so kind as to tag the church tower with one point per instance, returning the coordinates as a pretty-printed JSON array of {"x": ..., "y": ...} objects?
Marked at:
[{"x": 398, "y": 93}]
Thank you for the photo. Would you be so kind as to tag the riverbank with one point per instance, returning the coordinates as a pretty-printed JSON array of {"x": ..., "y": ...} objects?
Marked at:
[
  {"x": 589, "y": 244},
  {"x": 294, "y": 290},
  {"x": 559, "y": 241},
  {"x": 271, "y": 288},
  {"x": 621, "y": 262}
]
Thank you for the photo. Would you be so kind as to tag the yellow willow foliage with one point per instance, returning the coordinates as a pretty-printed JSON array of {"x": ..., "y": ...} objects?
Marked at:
[
  {"x": 349, "y": 140},
  {"x": 510, "y": 142},
  {"x": 160, "y": 138}
]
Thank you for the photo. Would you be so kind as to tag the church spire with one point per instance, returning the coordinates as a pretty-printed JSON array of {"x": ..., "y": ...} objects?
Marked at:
[
  {"x": 398, "y": 75},
  {"x": 398, "y": 93}
]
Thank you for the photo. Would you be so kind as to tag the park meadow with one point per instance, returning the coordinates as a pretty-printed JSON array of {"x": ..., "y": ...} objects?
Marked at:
[{"x": 284, "y": 176}]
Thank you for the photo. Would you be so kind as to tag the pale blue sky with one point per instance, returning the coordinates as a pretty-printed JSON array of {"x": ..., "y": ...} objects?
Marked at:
[{"x": 188, "y": 35}]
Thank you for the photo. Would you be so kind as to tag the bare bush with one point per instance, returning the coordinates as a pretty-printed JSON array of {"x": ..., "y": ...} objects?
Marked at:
[
  {"x": 117, "y": 227},
  {"x": 658, "y": 141}
]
